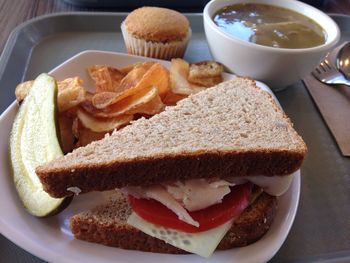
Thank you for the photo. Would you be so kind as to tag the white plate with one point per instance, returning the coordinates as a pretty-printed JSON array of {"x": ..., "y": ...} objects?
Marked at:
[{"x": 51, "y": 239}]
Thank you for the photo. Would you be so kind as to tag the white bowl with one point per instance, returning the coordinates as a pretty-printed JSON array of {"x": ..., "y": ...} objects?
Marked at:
[{"x": 277, "y": 67}]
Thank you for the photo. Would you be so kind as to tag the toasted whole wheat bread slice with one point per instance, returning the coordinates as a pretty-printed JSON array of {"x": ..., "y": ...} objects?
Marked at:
[
  {"x": 106, "y": 224},
  {"x": 232, "y": 129}
]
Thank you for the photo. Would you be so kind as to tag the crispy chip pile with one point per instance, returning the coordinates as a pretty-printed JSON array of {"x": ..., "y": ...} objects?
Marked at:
[
  {"x": 22, "y": 90},
  {"x": 122, "y": 95}
]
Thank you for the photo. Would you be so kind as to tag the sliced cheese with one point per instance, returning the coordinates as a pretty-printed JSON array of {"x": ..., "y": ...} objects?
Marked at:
[
  {"x": 202, "y": 243},
  {"x": 273, "y": 185}
]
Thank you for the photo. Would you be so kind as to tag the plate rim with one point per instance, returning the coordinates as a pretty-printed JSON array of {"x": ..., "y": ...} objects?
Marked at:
[{"x": 23, "y": 241}]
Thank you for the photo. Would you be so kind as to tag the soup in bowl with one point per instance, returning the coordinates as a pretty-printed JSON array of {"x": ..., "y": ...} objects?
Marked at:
[{"x": 277, "y": 42}]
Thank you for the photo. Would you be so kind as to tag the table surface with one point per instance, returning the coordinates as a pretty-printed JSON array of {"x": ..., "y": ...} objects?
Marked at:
[{"x": 14, "y": 12}]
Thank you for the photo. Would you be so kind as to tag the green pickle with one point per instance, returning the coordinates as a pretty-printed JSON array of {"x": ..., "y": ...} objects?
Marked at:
[{"x": 34, "y": 141}]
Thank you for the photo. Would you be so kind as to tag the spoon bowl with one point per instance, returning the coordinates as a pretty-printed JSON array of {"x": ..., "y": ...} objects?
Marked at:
[{"x": 343, "y": 60}]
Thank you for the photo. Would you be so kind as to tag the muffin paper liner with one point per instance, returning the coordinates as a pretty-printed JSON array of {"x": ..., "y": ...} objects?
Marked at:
[{"x": 141, "y": 47}]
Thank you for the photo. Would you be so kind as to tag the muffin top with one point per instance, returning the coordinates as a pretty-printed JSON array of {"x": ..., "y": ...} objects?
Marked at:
[{"x": 157, "y": 24}]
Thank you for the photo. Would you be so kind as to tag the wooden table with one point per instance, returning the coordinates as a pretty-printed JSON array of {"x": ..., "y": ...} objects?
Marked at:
[{"x": 14, "y": 12}]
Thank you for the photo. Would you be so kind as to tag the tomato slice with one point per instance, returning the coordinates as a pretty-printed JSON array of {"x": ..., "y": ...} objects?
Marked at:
[{"x": 231, "y": 206}]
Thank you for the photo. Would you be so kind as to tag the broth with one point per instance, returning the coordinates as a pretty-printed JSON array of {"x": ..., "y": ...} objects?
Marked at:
[{"x": 270, "y": 26}]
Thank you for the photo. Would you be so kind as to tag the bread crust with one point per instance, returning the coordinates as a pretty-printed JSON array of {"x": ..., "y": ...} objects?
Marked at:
[
  {"x": 179, "y": 165},
  {"x": 167, "y": 168},
  {"x": 249, "y": 227}
]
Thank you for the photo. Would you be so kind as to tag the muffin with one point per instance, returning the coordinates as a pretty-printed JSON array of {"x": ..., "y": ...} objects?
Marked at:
[{"x": 156, "y": 32}]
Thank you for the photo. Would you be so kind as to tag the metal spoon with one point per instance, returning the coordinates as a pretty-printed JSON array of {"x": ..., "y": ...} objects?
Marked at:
[{"x": 343, "y": 60}]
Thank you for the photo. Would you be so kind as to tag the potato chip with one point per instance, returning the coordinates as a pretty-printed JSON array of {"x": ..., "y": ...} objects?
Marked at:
[
  {"x": 152, "y": 107},
  {"x": 207, "y": 82},
  {"x": 205, "y": 69},
  {"x": 70, "y": 93},
  {"x": 146, "y": 65},
  {"x": 75, "y": 127},
  {"x": 157, "y": 76},
  {"x": 171, "y": 98},
  {"x": 102, "y": 100},
  {"x": 137, "y": 80},
  {"x": 106, "y": 78},
  {"x": 68, "y": 83},
  {"x": 179, "y": 71},
  {"x": 205, "y": 73},
  {"x": 131, "y": 79},
  {"x": 89, "y": 107},
  {"x": 71, "y": 113},
  {"x": 86, "y": 136},
  {"x": 129, "y": 67},
  {"x": 102, "y": 124},
  {"x": 101, "y": 78},
  {"x": 116, "y": 76},
  {"x": 123, "y": 106},
  {"x": 133, "y": 102},
  {"x": 139, "y": 89},
  {"x": 67, "y": 137},
  {"x": 22, "y": 90}
]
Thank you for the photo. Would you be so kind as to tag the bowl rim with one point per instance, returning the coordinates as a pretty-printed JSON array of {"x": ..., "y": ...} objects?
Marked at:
[{"x": 329, "y": 42}]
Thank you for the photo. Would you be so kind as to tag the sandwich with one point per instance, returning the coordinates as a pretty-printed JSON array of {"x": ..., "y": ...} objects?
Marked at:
[{"x": 203, "y": 174}]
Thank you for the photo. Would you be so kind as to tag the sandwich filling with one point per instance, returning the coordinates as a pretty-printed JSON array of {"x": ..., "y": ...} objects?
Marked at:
[
  {"x": 198, "y": 194},
  {"x": 231, "y": 206},
  {"x": 184, "y": 197},
  {"x": 197, "y": 208}
]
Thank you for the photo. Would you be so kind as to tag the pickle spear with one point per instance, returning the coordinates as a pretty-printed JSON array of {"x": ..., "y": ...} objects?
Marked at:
[{"x": 34, "y": 141}]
